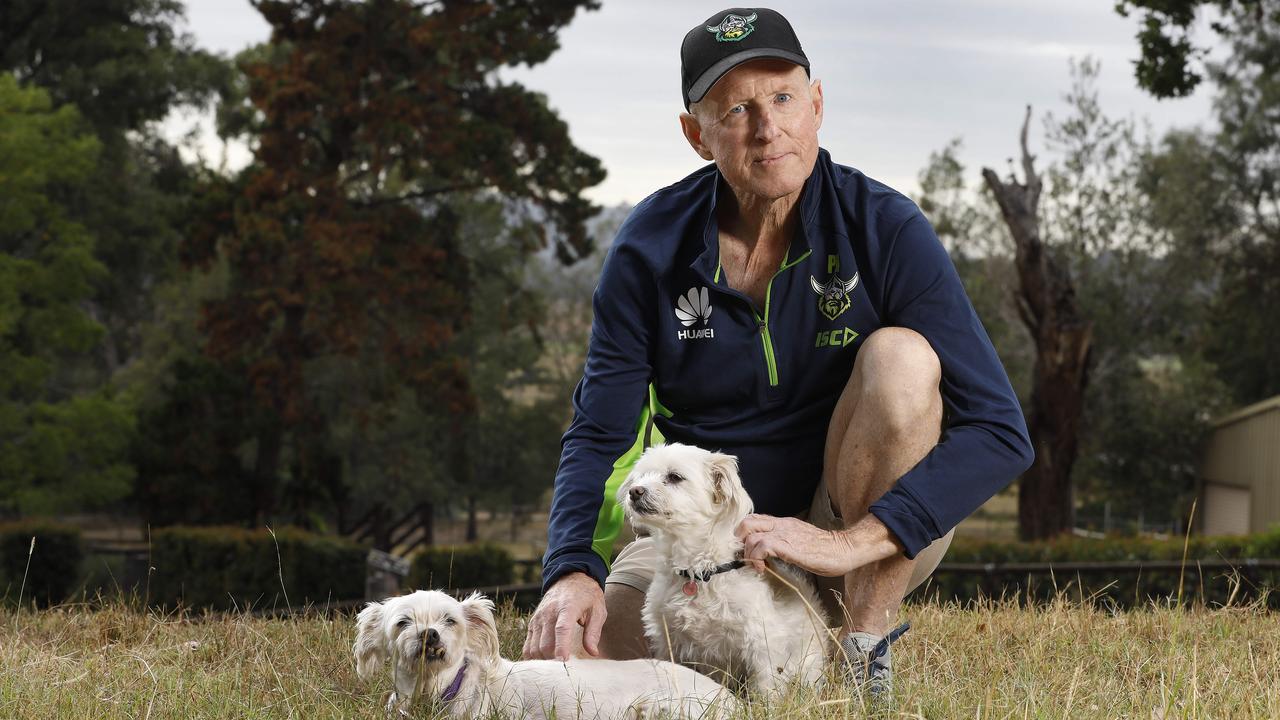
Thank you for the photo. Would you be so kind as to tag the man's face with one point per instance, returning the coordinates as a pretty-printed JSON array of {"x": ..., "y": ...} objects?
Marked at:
[{"x": 759, "y": 123}]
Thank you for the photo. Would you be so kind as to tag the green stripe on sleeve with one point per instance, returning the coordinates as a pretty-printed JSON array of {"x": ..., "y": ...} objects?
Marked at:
[{"x": 609, "y": 522}]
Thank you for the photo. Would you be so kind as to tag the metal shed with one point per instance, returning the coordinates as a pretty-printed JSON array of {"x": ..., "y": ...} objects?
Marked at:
[{"x": 1241, "y": 472}]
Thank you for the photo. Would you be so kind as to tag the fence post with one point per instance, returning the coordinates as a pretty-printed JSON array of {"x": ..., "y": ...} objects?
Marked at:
[{"x": 384, "y": 574}]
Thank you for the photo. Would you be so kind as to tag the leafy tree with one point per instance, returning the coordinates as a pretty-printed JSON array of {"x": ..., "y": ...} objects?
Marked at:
[
  {"x": 1169, "y": 63},
  {"x": 512, "y": 439},
  {"x": 58, "y": 448},
  {"x": 342, "y": 239},
  {"x": 968, "y": 223},
  {"x": 1214, "y": 194},
  {"x": 121, "y": 63},
  {"x": 187, "y": 450},
  {"x": 1148, "y": 419},
  {"x": 1114, "y": 310},
  {"x": 1242, "y": 340},
  {"x": 565, "y": 328},
  {"x": 1063, "y": 338}
]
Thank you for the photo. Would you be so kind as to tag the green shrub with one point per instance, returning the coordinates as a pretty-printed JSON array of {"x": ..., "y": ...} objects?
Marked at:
[
  {"x": 462, "y": 566},
  {"x": 55, "y": 561},
  {"x": 234, "y": 568},
  {"x": 1212, "y": 586}
]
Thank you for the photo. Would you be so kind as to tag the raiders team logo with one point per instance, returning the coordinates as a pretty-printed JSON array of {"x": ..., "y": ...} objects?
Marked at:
[
  {"x": 833, "y": 297},
  {"x": 733, "y": 27}
]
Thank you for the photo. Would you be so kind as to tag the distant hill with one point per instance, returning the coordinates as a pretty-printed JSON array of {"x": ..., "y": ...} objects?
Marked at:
[{"x": 578, "y": 280}]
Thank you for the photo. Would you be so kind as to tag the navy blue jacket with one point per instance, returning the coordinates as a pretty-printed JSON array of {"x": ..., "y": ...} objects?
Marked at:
[{"x": 676, "y": 353}]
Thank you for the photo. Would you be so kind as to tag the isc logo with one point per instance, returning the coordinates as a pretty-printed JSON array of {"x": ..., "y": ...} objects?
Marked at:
[{"x": 839, "y": 337}]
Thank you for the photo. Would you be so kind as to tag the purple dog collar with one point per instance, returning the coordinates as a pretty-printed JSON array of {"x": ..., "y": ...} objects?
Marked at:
[{"x": 451, "y": 692}]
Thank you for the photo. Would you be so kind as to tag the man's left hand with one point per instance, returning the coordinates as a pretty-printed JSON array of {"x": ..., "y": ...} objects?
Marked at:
[{"x": 822, "y": 552}]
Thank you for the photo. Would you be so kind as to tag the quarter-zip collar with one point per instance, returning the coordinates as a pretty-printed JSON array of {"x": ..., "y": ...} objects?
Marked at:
[{"x": 706, "y": 261}]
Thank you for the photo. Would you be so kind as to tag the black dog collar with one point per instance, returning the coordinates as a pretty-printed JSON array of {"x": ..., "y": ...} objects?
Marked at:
[{"x": 705, "y": 575}]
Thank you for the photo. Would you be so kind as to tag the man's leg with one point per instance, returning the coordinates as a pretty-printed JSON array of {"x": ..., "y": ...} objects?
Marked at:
[
  {"x": 886, "y": 420},
  {"x": 623, "y": 636}
]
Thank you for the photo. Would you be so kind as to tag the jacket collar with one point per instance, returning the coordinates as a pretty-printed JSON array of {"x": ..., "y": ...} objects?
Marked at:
[{"x": 810, "y": 198}]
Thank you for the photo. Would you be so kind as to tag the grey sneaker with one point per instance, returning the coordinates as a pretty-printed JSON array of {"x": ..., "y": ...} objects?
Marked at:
[{"x": 870, "y": 661}]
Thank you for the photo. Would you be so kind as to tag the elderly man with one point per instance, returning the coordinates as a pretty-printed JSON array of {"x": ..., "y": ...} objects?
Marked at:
[{"x": 793, "y": 312}]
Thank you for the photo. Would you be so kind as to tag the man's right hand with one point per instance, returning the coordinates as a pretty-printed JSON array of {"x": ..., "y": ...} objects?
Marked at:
[{"x": 575, "y": 599}]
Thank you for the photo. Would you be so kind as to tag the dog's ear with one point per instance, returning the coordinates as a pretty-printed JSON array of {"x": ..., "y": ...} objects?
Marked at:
[
  {"x": 370, "y": 649},
  {"x": 726, "y": 488},
  {"x": 482, "y": 629}
]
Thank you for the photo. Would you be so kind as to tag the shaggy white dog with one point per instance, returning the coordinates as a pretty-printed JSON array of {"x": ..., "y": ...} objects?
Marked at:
[
  {"x": 704, "y": 608},
  {"x": 446, "y": 649}
]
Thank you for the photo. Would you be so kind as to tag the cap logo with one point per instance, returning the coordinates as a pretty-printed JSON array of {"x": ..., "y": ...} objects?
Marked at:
[{"x": 733, "y": 28}]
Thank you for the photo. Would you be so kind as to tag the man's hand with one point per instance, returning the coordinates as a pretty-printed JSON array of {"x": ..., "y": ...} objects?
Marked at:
[
  {"x": 575, "y": 599},
  {"x": 822, "y": 552}
]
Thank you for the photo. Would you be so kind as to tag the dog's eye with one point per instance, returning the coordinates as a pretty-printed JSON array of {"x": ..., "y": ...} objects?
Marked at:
[
  {"x": 450, "y": 621},
  {"x": 403, "y": 622},
  {"x": 674, "y": 478}
]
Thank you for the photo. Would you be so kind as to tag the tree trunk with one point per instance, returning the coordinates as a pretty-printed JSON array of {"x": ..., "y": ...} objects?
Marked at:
[
  {"x": 1063, "y": 340},
  {"x": 473, "y": 533}
]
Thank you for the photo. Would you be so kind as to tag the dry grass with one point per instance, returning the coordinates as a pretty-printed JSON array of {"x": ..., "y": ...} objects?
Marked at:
[{"x": 994, "y": 660}]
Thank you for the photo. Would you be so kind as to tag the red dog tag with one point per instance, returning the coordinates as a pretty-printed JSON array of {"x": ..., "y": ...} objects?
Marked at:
[{"x": 690, "y": 588}]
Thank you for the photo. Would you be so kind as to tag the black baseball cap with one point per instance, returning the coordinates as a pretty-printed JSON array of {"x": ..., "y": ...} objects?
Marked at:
[{"x": 730, "y": 38}]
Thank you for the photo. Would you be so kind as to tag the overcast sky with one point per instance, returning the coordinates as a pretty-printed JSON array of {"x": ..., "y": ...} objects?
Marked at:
[{"x": 900, "y": 79}]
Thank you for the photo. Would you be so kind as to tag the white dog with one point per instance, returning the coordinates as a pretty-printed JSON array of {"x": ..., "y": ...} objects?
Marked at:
[
  {"x": 448, "y": 650},
  {"x": 704, "y": 608}
]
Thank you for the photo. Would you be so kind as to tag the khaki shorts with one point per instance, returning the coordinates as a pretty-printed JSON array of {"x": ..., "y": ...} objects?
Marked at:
[{"x": 635, "y": 565}]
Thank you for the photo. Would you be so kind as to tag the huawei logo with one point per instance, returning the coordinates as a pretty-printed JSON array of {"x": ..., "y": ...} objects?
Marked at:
[{"x": 690, "y": 308}]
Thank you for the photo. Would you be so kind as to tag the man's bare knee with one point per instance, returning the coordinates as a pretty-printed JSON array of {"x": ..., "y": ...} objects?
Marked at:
[
  {"x": 898, "y": 372},
  {"x": 896, "y": 352},
  {"x": 893, "y": 416},
  {"x": 623, "y": 636}
]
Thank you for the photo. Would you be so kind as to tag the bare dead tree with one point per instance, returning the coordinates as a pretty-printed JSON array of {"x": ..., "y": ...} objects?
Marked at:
[{"x": 1046, "y": 302}]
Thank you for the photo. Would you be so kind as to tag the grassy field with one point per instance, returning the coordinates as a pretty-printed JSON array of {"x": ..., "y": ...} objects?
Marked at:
[{"x": 993, "y": 660}]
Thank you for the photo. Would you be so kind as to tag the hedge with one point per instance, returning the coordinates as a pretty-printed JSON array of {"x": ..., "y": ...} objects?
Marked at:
[
  {"x": 233, "y": 568},
  {"x": 55, "y": 561},
  {"x": 461, "y": 566},
  {"x": 1121, "y": 589}
]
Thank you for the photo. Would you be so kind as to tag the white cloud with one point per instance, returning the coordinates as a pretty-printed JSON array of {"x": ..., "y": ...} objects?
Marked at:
[{"x": 901, "y": 78}]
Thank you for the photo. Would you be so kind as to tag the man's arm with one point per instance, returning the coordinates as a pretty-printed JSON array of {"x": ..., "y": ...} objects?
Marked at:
[
  {"x": 574, "y": 599},
  {"x": 607, "y": 402},
  {"x": 984, "y": 444},
  {"x": 822, "y": 552}
]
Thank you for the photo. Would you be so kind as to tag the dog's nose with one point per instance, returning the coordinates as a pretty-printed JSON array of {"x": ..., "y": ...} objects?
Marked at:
[
  {"x": 636, "y": 493},
  {"x": 433, "y": 637}
]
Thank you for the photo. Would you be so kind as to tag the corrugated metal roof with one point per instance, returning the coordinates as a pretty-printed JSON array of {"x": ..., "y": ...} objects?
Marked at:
[{"x": 1248, "y": 411}]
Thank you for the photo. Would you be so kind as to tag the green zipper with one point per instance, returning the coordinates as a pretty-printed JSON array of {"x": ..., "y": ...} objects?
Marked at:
[
  {"x": 768, "y": 352},
  {"x": 769, "y": 358}
]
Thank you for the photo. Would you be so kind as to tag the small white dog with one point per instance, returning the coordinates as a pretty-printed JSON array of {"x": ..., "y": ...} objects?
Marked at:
[
  {"x": 446, "y": 649},
  {"x": 704, "y": 608}
]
